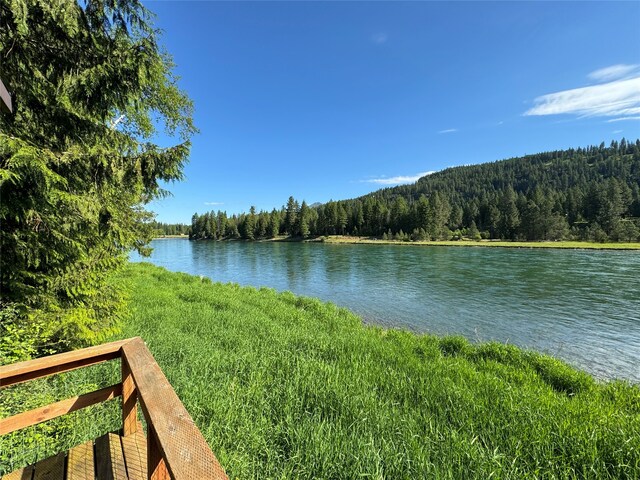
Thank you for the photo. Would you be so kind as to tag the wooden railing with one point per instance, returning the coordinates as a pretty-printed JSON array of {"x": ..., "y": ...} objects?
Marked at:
[{"x": 175, "y": 447}]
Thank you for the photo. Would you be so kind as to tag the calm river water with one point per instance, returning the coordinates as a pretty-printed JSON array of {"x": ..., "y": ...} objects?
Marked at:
[{"x": 582, "y": 306}]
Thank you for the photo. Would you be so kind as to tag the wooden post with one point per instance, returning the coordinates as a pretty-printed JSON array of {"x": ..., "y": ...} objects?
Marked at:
[
  {"x": 129, "y": 400},
  {"x": 6, "y": 97},
  {"x": 156, "y": 466}
]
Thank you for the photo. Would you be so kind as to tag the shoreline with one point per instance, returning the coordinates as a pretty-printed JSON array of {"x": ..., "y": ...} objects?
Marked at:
[
  {"x": 573, "y": 245},
  {"x": 351, "y": 240}
]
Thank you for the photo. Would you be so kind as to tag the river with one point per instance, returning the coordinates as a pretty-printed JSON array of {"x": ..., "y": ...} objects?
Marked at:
[{"x": 580, "y": 305}]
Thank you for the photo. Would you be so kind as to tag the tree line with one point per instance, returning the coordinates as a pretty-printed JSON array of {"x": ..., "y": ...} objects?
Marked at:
[
  {"x": 588, "y": 193},
  {"x": 162, "y": 228}
]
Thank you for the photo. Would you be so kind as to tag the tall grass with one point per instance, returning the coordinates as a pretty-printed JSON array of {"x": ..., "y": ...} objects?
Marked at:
[{"x": 290, "y": 387}]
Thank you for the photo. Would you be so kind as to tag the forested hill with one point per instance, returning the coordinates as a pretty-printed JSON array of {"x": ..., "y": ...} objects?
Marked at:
[
  {"x": 559, "y": 171},
  {"x": 588, "y": 193}
]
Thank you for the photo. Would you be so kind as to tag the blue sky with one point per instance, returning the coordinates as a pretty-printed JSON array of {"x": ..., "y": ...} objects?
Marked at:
[{"x": 331, "y": 100}]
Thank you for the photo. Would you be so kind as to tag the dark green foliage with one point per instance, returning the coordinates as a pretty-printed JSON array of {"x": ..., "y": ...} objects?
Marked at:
[
  {"x": 584, "y": 194},
  {"x": 455, "y": 345},
  {"x": 76, "y": 162}
]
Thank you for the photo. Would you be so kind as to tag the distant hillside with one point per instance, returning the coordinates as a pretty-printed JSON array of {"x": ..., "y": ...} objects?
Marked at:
[
  {"x": 588, "y": 193},
  {"x": 558, "y": 170}
]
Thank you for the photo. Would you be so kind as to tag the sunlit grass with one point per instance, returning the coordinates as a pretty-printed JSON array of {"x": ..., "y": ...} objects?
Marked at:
[
  {"x": 290, "y": 387},
  {"x": 486, "y": 243}
]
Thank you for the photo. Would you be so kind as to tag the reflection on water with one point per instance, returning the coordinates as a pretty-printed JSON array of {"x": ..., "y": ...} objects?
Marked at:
[{"x": 582, "y": 306}]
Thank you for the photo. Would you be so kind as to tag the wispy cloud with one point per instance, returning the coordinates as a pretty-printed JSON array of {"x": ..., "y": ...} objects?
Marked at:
[
  {"x": 448, "y": 130},
  {"x": 400, "y": 179},
  {"x": 620, "y": 98},
  {"x": 379, "y": 38},
  {"x": 213, "y": 203},
  {"x": 621, "y": 119},
  {"x": 614, "y": 72}
]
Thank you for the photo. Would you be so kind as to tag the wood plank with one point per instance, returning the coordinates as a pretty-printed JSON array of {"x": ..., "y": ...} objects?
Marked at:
[
  {"x": 134, "y": 447},
  {"x": 6, "y": 97},
  {"x": 42, "y": 414},
  {"x": 129, "y": 401},
  {"x": 62, "y": 362},
  {"x": 117, "y": 457},
  {"x": 181, "y": 444},
  {"x": 103, "y": 459},
  {"x": 80, "y": 465},
  {"x": 23, "y": 474},
  {"x": 156, "y": 464},
  {"x": 109, "y": 458},
  {"x": 51, "y": 468}
]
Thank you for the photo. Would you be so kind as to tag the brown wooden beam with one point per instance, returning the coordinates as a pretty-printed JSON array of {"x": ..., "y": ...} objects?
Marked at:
[
  {"x": 63, "y": 362},
  {"x": 173, "y": 439},
  {"x": 156, "y": 466},
  {"x": 129, "y": 401},
  {"x": 48, "y": 412}
]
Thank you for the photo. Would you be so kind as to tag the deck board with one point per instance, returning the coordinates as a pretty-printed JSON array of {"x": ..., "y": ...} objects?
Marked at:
[
  {"x": 51, "y": 468},
  {"x": 134, "y": 448},
  {"x": 23, "y": 474},
  {"x": 80, "y": 464},
  {"x": 109, "y": 457}
]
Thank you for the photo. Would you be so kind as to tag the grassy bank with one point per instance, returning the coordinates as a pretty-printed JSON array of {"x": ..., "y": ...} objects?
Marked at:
[
  {"x": 160, "y": 237},
  {"x": 486, "y": 243},
  {"x": 289, "y": 387}
]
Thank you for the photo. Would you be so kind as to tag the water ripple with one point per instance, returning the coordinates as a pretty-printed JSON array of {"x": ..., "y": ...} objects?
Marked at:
[{"x": 579, "y": 305}]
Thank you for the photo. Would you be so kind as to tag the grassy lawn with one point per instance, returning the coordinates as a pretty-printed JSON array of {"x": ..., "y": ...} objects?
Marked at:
[
  {"x": 290, "y": 387},
  {"x": 486, "y": 243}
]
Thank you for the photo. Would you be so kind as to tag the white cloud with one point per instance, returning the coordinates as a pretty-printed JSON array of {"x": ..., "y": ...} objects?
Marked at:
[
  {"x": 398, "y": 180},
  {"x": 614, "y": 72},
  {"x": 448, "y": 130},
  {"x": 213, "y": 203},
  {"x": 617, "y": 98},
  {"x": 622, "y": 119},
  {"x": 379, "y": 38},
  {"x": 617, "y": 131}
]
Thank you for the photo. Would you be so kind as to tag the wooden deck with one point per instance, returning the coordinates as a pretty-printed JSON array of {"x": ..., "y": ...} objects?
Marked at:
[
  {"x": 110, "y": 456},
  {"x": 173, "y": 447}
]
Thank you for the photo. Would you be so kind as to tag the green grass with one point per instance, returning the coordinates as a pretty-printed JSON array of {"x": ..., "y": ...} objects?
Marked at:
[{"x": 290, "y": 387}]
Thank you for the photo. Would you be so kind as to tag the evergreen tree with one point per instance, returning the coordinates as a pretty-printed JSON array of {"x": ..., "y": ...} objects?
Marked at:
[
  {"x": 341, "y": 219},
  {"x": 455, "y": 218},
  {"x": 274, "y": 223},
  {"x": 249, "y": 230},
  {"x": 78, "y": 162},
  {"x": 509, "y": 215},
  {"x": 473, "y": 231},
  {"x": 291, "y": 216},
  {"x": 439, "y": 211},
  {"x": 303, "y": 220},
  {"x": 423, "y": 214}
]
